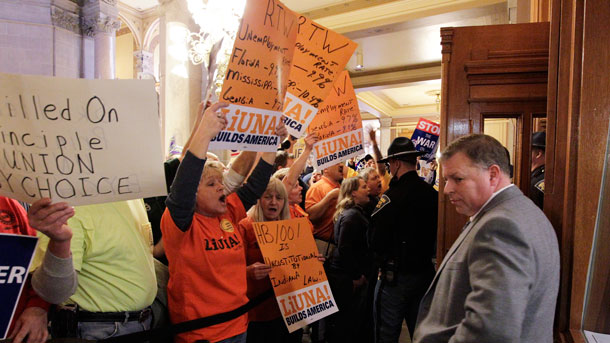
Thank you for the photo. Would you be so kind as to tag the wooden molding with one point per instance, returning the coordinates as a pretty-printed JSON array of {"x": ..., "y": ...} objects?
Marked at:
[
  {"x": 525, "y": 65},
  {"x": 446, "y": 42},
  {"x": 398, "y": 75}
]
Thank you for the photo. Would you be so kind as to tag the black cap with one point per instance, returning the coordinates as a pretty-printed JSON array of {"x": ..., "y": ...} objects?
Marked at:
[
  {"x": 539, "y": 139},
  {"x": 402, "y": 148}
]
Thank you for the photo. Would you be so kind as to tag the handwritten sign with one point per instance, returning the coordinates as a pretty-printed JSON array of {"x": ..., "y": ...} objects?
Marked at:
[
  {"x": 425, "y": 137},
  {"x": 338, "y": 125},
  {"x": 80, "y": 141},
  {"x": 257, "y": 75},
  {"x": 320, "y": 56},
  {"x": 15, "y": 257},
  {"x": 298, "y": 279}
]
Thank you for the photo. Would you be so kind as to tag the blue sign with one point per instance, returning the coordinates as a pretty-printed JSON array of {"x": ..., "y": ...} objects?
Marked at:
[
  {"x": 16, "y": 254},
  {"x": 425, "y": 138}
]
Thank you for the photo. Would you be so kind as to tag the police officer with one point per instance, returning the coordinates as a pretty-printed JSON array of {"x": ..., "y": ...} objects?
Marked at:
[
  {"x": 403, "y": 237},
  {"x": 537, "y": 177}
]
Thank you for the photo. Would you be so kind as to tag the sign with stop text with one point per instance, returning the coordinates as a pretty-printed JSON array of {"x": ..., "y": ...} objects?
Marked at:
[
  {"x": 256, "y": 78},
  {"x": 425, "y": 137},
  {"x": 338, "y": 126},
  {"x": 79, "y": 141},
  {"x": 16, "y": 254},
  {"x": 319, "y": 57},
  {"x": 297, "y": 276}
]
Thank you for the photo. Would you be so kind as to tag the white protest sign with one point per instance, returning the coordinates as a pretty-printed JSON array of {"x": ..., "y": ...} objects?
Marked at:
[{"x": 79, "y": 141}]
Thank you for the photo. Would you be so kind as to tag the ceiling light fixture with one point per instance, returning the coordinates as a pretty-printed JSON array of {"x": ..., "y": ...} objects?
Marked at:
[
  {"x": 437, "y": 94},
  {"x": 359, "y": 60},
  {"x": 218, "y": 22}
]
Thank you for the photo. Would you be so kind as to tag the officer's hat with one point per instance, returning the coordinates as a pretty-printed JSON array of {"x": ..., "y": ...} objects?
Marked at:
[
  {"x": 402, "y": 148},
  {"x": 539, "y": 139}
]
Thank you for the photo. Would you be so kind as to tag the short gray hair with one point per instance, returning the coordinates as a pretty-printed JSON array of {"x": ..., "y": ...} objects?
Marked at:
[
  {"x": 483, "y": 150},
  {"x": 364, "y": 173}
]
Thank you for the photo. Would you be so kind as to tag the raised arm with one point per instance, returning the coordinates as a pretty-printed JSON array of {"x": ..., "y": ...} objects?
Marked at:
[
  {"x": 182, "y": 197},
  {"x": 292, "y": 178},
  {"x": 380, "y": 166}
]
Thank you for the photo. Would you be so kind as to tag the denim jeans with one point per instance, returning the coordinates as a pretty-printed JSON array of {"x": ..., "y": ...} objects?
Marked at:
[
  {"x": 396, "y": 302},
  {"x": 235, "y": 339},
  {"x": 101, "y": 330}
]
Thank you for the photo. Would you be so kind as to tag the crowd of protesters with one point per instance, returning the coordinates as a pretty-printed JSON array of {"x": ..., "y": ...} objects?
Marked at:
[{"x": 374, "y": 222}]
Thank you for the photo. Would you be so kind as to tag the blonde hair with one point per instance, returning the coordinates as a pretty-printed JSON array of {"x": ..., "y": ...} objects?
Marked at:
[
  {"x": 346, "y": 200},
  {"x": 281, "y": 173},
  {"x": 256, "y": 212},
  {"x": 212, "y": 167}
]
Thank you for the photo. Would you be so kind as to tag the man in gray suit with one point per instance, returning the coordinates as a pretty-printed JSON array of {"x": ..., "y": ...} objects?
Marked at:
[{"x": 498, "y": 282}]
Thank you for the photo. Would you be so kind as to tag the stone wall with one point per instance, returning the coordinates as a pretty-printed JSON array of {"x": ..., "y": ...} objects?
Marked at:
[{"x": 41, "y": 37}]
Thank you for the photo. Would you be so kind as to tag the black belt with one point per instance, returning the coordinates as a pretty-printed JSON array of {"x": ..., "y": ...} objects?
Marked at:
[{"x": 107, "y": 317}]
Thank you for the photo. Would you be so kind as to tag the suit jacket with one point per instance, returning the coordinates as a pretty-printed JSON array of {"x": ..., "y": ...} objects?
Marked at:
[{"x": 498, "y": 282}]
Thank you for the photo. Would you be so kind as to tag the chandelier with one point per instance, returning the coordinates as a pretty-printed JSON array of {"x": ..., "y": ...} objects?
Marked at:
[
  {"x": 218, "y": 22},
  {"x": 437, "y": 94}
]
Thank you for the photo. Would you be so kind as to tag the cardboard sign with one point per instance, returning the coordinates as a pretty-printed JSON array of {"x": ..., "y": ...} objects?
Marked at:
[
  {"x": 16, "y": 254},
  {"x": 257, "y": 75},
  {"x": 338, "y": 126},
  {"x": 297, "y": 277},
  {"x": 425, "y": 137},
  {"x": 319, "y": 57},
  {"x": 79, "y": 141}
]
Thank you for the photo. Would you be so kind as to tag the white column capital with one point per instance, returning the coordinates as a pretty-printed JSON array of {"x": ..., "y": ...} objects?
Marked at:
[{"x": 385, "y": 122}]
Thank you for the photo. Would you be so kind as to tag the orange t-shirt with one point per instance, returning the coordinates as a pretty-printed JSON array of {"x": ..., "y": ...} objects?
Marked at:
[
  {"x": 268, "y": 309},
  {"x": 324, "y": 228},
  {"x": 296, "y": 211},
  {"x": 207, "y": 271}
]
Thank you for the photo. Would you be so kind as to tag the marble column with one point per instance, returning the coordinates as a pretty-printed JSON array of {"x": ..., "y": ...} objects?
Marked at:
[
  {"x": 100, "y": 22},
  {"x": 180, "y": 80},
  {"x": 143, "y": 64},
  {"x": 385, "y": 134}
]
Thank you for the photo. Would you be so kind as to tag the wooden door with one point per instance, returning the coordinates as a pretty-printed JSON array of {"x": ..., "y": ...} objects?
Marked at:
[{"x": 497, "y": 71}]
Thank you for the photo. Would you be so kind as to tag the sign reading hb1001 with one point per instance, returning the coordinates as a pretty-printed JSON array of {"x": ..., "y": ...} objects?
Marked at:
[{"x": 297, "y": 277}]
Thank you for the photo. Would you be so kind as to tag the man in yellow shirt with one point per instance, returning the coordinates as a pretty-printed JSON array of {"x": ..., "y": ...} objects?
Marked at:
[{"x": 112, "y": 253}]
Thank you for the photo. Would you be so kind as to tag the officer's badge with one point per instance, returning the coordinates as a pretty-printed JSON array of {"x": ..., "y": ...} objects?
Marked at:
[
  {"x": 226, "y": 226},
  {"x": 540, "y": 185},
  {"x": 382, "y": 202}
]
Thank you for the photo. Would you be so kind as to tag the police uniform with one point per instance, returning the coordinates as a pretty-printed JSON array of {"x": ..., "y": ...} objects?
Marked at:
[
  {"x": 537, "y": 186},
  {"x": 403, "y": 237},
  {"x": 537, "y": 176}
]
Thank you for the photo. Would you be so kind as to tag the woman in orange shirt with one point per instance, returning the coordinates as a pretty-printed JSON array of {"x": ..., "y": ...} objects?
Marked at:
[
  {"x": 265, "y": 321},
  {"x": 207, "y": 270}
]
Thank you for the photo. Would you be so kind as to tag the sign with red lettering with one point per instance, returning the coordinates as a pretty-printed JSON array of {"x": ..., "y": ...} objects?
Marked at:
[
  {"x": 257, "y": 75},
  {"x": 425, "y": 137},
  {"x": 79, "y": 141},
  {"x": 297, "y": 276},
  {"x": 319, "y": 57},
  {"x": 338, "y": 126}
]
